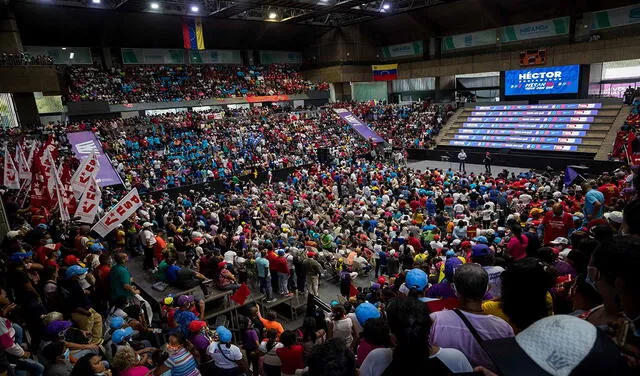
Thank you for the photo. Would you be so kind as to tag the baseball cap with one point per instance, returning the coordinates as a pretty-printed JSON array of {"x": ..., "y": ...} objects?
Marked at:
[
  {"x": 116, "y": 322},
  {"x": 614, "y": 216},
  {"x": 197, "y": 325},
  {"x": 147, "y": 224},
  {"x": 560, "y": 240},
  {"x": 96, "y": 247},
  {"x": 19, "y": 256},
  {"x": 13, "y": 234},
  {"x": 465, "y": 244},
  {"x": 224, "y": 334},
  {"x": 481, "y": 239},
  {"x": 55, "y": 327},
  {"x": 449, "y": 266},
  {"x": 71, "y": 260},
  {"x": 168, "y": 300},
  {"x": 75, "y": 270},
  {"x": 184, "y": 299},
  {"x": 416, "y": 278},
  {"x": 480, "y": 250},
  {"x": 366, "y": 311},
  {"x": 121, "y": 334},
  {"x": 560, "y": 345},
  {"x": 52, "y": 247}
]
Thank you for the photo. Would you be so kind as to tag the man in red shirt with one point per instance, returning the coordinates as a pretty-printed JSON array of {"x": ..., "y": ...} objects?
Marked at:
[
  {"x": 609, "y": 190},
  {"x": 557, "y": 223}
]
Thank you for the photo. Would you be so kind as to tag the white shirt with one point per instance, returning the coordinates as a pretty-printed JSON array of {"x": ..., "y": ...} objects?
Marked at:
[
  {"x": 148, "y": 239},
  {"x": 379, "y": 359},
  {"x": 229, "y": 257},
  {"x": 233, "y": 352},
  {"x": 462, "y": 156}
]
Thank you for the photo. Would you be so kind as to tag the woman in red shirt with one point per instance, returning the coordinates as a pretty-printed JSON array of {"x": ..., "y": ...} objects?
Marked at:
[
  {"x": 517, "y": 245},
  {"x": 291, "y": 354}
]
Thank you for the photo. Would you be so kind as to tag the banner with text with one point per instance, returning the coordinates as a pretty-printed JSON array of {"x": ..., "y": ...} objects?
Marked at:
[
  {"x": 415, "y": 48},
  {"x": 358, "y": 125},
  {"x": 119, "y": 213},
  {"x": 523, "y": 132},
  {"x": 89, "y": 168},
  {"x": 569, "y": 106},
  {"x": 476, "y": 39},
  {"x": 508, "y": 145},
  {"x": 533, "y": 30},
  {"x": 215, "y": 57},
  {"x": 267, "y": 98},
  {"x": 84, "y": 144},
  {"x": 526, "y": 126},
  {"x": 88, "y": 206},
  {"x": 616, "y": 17},
  {"x": 152, "y": 56}
]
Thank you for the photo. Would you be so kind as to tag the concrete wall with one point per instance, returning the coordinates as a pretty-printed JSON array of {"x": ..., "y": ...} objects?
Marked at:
[
  {"x": 342, "y": 44},
  {"x": 14, "y": 79},
  {"x": 578, "y": 53}
]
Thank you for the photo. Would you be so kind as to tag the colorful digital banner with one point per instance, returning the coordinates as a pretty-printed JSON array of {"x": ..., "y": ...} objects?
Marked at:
[
  {"x": 84, "y": 144},
  {"x": 541, "y": 140},
  {"x": 526, "y": 126},
  {"x": 616, "y": 17},
  {"x": 358, "y": 125},
  {"x": 267, "y": 98},
  {"x": 508, "y": 145},
  {"x": 555, "y": 119},
  {"x": 542, "y": 81},
  {"x": 533, "y": 30},
  {"x": 523, "y": 132},
  {"x": 535, "y": 113},
  {"x": 570, "y": 106},
  {"x": 415, "y": 48},
  {"x": 475, "y": 39}
]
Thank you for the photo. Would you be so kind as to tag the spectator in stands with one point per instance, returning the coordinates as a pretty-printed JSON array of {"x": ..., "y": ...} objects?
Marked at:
[
  {"x": 593, "y": 201},
  {"x": 121, "y": 281},
  {"x": 227, "y": 357}
]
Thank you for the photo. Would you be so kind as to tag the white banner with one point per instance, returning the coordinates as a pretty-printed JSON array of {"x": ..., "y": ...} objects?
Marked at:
[
  {"x": 88, "y": 169},
  {"x": 123, "y": 210},
  {"x": 58, "y": 188},
  {"x": 24, "y": 169},
  {"x": 10, "y": 176},
  {"x": 88, "y": 205}
]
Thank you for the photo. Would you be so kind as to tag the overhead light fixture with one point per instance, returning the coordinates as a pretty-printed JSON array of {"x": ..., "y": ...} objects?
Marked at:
[
  {"x": 95, "y": 1},
  {"x": 195, "y": 9},
  {"x": 64, "y": 48},
  {"x": 155, "y": 6},
  {"x": 386, "y": 6},
  {"x": 272, "y": 15},
  {"x": 71, "y": 55}
]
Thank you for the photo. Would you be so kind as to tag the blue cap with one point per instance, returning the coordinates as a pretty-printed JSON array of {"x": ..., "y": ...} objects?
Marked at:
[
  {"x": 449, "y": 266},
  {"x": 116, "y": 322},
  {"x": 75, "y": 270},
  {"x": 121, "y": 334},
  {"x": 280, "y": 252},
  {"x": 497, "y": 240},
  {"x": 416, "y": 278},
  {"x": 224, "y": 334},
  {"x": 19, "y": 256},
  {"x": 334, "y": 303},
  {"x": 366, "y": 311},
  {"x": 43, "y": 226},
  {"x": 481, "y": 239},
  {"x": 96, "y": 248},
  {"x": 480, "y": 250},
  {"x": 450, "y": 253}
]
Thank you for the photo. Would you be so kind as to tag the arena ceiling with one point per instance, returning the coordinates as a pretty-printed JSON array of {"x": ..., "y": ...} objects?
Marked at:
[{"x": 315, "y": 12}]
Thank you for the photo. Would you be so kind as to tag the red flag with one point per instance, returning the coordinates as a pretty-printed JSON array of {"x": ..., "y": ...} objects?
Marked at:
[
  {"x": 353, "y": 291},
  {"x": 632, "y": 137},
  {"x": 241, "y": 294}
]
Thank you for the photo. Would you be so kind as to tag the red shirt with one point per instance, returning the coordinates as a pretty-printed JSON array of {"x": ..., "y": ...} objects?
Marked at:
[
  {"x": 415, "y": 242},
  {"x": 610, "y": 192},
  {"x": 291, "y": 359},
  {"x": 280, "y": 265},
  {"x": 556, "y": 226}
]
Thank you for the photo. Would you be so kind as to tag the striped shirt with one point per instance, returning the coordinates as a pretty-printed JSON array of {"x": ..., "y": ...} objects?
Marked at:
[{"x": 182, "y": 363}]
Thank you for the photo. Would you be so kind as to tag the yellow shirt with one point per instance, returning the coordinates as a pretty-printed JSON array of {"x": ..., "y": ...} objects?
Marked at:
[{"x": 493, "y": 307}]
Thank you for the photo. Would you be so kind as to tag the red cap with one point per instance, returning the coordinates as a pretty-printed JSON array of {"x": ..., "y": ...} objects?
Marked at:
[
  {"x": 382, "y": 280},
  {"x": 71, "y": 260},
  {"x": 465, "y": 244},
  {"x": 222, "y": 264},
  {"x": 197, "y": 325},
  {"x": 311, "y": 254}
]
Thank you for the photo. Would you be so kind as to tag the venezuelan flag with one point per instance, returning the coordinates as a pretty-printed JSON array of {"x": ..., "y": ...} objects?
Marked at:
[
  {"x": 385, "y": 72},
  {"x": 192, "y": 34}
]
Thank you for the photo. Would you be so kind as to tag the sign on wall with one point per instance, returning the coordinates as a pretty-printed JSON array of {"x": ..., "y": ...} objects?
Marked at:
[
  {"x": 533, "y": 30},
  {"x": 280, "y": 57},
  {"x": 475, "y": 39},
  {"x": 215, "y": 57},
  {"x": 152, "y": 56},
  {"x": 415, "y": 48},
  {"x": 537, "y": 81},
  {"x": 616, "y": 17}
]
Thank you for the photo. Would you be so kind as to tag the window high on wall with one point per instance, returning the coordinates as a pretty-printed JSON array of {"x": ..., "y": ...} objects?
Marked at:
[{"x": 8, "y": 116}]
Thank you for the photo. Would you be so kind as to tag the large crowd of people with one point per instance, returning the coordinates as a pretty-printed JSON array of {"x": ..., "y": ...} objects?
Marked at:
[
  {"x": 22, "y": 58},
  {"x": 171, "y": 83},
  {"x": 461, "y": 272}
]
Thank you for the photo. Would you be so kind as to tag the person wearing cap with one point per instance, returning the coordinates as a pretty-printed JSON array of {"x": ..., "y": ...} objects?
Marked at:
[
  {"x": 556, "y": 223},
  {"x": 148, "y": 240},
  {"x": 77, "y": 299},
  {"x": 615, "y": 219},
  {"x": 120, "y": 279},
  {"x": 226, "y": 279},
  {"x": 264, "y": 275},
  {"x": 199, "y": 338},
  {"x": 374, "y": 332},
  {"x": 227, "y": 357},
  {"x": 451, "y": 331},
  {"x": 483, "y": 255},
  {"x": 185, "y": 314},
  {"x": 182, "y": 358}
]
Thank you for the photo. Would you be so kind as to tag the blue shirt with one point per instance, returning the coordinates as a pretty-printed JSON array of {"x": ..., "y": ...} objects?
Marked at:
[
  {"x": 589, "y": 204},
  {"x": 262, "y": 265}
]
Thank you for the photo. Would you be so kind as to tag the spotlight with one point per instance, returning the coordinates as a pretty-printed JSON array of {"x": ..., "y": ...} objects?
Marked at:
[
  {"x": 64, "y": 48},
  {"x": 195, "y": 9},
  {"x": 272, "y": 15},
  {"x": 71, "y": 55},
  {"x": 95, "y": 1},
  {"x": 155, "y": 6},
  {"x": 386, "y": 6}
]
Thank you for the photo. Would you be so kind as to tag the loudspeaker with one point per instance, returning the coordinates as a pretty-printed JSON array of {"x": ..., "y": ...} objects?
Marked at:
[{"x": 323, "y": 155}]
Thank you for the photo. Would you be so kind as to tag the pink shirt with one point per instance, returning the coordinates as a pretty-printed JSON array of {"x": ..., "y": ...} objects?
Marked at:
[
  {"x": 135, "y": 371},
  {"x": 518, "y": 248}
]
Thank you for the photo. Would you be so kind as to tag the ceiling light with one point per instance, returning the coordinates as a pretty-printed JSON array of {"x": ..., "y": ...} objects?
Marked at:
[
  {"x": 272, "y": 15},
  {"x": 195, "y": 9},
  {"x": 155, "y": 6},
  {"x": 64, "y": 48},
  {"x": 386, "y": 6},
  {"x": 71, "y": 55},
  {"x": 95, "y": 1}
]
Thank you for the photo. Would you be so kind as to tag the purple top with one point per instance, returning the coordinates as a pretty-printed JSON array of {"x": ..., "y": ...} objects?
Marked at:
[
  {"x": 200, "y": 342},
  {"x": 249, "y": 339}
]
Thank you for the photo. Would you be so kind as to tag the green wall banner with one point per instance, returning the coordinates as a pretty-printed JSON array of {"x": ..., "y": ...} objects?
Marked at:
[
  {"x": 215, "y": 57},
  {"x": 533, "y": 30},
  {"x": 475, "y": 39},
  {"x": 415, "y": 48},
  {"x": 152, "y": 56},
  {"x": 616, "y": 17},
  {"x": 280, "y": 57}
]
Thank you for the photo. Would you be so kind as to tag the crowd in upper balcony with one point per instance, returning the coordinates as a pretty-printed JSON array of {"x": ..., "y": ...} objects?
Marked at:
[{"x": 22, "y": 58}]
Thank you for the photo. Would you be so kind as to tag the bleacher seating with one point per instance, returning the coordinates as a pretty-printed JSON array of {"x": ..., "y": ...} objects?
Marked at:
[{"x": 563, "y": 127}]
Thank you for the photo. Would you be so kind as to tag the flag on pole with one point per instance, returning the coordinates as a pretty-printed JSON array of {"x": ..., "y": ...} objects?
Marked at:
[
  {"x": 10, "y": 177},
  {"x": 88, "y": 206},
  {"x": 385, "y": 72},
  {"x": 60, "y": 193},
  {"x": 119, "y": 213},
  {"x": 569, "y": 176},
  {"x": 24, "y": 172},
  {"x": 192, "y": 35},
  {"x": 89, "y": 167}
]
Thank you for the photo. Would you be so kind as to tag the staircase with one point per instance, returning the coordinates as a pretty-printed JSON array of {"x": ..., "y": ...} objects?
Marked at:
[
  {"x": 610, "y": 138},
  {"x": 452, "y": 120}
]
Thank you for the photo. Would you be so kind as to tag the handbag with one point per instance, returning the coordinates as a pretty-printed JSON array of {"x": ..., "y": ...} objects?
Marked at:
[{"x": 473, "y": 330}]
